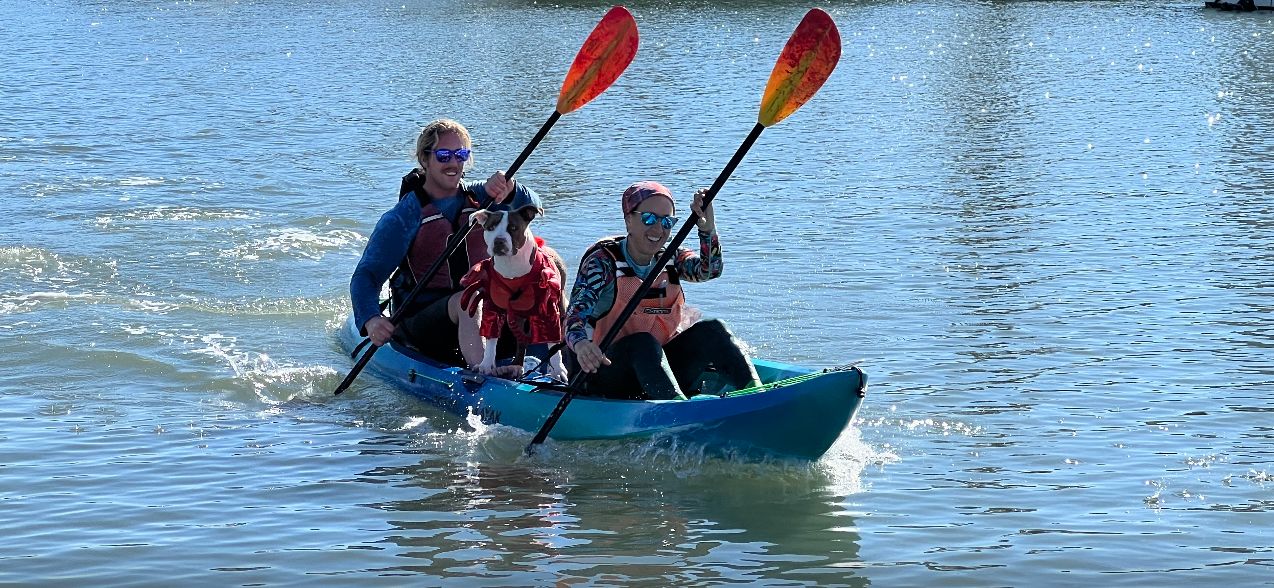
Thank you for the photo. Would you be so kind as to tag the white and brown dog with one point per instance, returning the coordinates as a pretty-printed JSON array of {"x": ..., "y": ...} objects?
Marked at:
[{"x": 520, "y": 286}]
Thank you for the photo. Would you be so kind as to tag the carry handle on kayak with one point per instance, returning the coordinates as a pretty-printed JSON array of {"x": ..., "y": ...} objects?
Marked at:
[
  {"x": 807, "y": 60},
  {"x": 605, "y": 55}
]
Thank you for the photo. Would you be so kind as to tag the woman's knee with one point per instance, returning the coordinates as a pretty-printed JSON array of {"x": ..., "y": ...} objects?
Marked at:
[
  {"x": 642, "y": 345},
  {"x": 713, "y": 331}
]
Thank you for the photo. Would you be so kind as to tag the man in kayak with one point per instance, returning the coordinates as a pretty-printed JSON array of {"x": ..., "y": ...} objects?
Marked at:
[
  {"x": 435, "y": 202},
  {"x": 660, "y": 351}
]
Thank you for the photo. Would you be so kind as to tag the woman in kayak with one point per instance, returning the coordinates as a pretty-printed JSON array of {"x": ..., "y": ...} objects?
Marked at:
[
  {"x": 435, "y": 202},
  {"x": 660, "y": 352}
]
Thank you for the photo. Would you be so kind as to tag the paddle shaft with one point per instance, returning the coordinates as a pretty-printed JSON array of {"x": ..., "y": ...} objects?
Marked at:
[
  {"x": 535, "y": 142},
  {"x": 453, "y": 244},
  {"x": 577, "y": 383}
]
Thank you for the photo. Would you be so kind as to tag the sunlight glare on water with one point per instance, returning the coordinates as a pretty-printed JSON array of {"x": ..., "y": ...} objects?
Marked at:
[{"x": 1043, "y": 229}]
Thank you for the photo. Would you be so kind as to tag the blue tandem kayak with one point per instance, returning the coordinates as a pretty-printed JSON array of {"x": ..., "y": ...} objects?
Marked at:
[{"x": 797, "y": 413}]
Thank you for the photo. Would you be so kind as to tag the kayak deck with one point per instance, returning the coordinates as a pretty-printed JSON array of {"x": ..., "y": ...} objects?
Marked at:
[{"x": 796, "y": 413}]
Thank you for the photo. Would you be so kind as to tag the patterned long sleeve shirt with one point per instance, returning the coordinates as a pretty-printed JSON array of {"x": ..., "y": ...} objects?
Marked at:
[{"x": 593, "y": 294}]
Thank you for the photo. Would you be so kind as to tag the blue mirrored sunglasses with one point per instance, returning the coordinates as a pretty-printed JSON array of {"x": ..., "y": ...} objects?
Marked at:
[
  {"x": 650, "y": 218},
  {"x": 444, "y": 155}
]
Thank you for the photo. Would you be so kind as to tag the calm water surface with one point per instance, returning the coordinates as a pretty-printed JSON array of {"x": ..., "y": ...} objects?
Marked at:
[{"x": 1043, "y": 228}]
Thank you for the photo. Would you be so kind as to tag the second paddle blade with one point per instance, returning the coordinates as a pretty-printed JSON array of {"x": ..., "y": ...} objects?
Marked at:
[
  {"x": 603, "y": 57},
  {"x": 806, "y": 62}
]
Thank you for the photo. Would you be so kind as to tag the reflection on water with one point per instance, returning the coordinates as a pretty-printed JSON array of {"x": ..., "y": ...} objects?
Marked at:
[
  {"x": 1044, "y": 229},
  {"x": 622, "y": 521}
]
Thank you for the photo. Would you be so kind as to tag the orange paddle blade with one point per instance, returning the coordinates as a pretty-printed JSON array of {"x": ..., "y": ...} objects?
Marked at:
[
  {"x": 806, "y": 62},
  {"x": 605, "y": 54}
]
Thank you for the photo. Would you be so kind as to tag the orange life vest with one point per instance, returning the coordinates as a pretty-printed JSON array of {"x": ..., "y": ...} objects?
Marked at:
[{"x": 658, "y": 313}]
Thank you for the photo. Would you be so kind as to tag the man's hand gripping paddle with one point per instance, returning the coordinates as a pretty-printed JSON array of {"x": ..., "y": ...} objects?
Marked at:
[{"x": 603, "y": 57}]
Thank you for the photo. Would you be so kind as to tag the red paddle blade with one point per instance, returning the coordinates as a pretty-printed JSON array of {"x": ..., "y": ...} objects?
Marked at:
[
  {"x": 605, "y": 54},
  {"x": 806, "y": 62}
]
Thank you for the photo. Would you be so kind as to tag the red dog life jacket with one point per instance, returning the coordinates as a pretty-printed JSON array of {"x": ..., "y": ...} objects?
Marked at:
[{"x": 531, "y": 305}]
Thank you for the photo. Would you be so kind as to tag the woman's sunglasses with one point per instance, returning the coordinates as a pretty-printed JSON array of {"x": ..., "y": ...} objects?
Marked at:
[
  {"x": 444, "y": 155},
  {"x": 650, "y": 218}
]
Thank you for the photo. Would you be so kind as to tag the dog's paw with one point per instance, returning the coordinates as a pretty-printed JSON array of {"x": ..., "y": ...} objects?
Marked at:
[
  {"x": 557, "y": 370},
  {"x": 560, "y": 375}
]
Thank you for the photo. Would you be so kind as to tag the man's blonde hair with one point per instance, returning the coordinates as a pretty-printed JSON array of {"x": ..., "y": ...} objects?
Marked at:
[{"x": 429, "y": 138}]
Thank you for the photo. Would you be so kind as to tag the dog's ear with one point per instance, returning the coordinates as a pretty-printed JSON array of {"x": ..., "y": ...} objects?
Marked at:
[
  {"x": 493, "y": 219},
  {"x": 479, "y": 217},
  {"x": 527, "y": 213}
]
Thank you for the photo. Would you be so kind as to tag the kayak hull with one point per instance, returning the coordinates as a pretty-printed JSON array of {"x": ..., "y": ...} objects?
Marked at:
[{"x": 798, "y": 414}]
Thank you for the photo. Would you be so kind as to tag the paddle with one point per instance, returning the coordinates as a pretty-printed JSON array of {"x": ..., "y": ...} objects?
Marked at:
[
  {"x": 807, "y": 60},
  {"x": 605, "y": 55}
]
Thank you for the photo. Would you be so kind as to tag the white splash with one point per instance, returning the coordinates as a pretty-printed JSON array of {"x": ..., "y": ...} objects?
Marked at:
[
  {"x": 295, "y": 242},
  {"x": 141, "y": 181},
  {"x": 272, "y": 382}
]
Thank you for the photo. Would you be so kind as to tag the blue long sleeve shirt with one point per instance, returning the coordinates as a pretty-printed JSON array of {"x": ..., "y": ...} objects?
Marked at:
[{"x": 388, "y": 245}]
